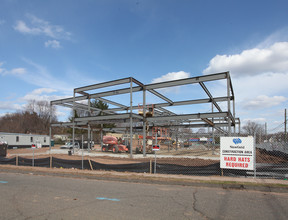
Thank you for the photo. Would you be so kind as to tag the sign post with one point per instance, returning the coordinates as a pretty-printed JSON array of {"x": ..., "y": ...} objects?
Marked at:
[
  {"x": 82, "y": 153},
  {"x": 155, "y": 148},
  {"x": 237, "y": 153},
  {"x": 33, "y": 146}
]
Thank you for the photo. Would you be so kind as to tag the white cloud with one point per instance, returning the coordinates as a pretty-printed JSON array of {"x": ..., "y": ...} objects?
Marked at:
[
  {"x": 253, "y": 61},
  {"x": 42, "y": 94},
  {"x": 14, "y": 71},
  {"x": 52, "y": 43},
  {"x": 37, "y": 26},
  {"x": 259, "y": 78},
  {"x": 9, "y": 105},
  {"x": 257, "y": 120},
  {"x": 172, "y": 76},
  {"x": 264, "y": 101},
  {"x": 39, "y": 75},
  {"x": 17, "y": 71}
]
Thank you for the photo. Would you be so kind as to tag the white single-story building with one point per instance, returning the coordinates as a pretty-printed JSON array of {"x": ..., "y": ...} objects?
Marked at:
[{"x": 24, "y": 140}]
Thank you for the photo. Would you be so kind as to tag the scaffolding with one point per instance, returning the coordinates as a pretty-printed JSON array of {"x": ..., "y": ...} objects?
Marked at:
[{"x": 127, "y": 117}]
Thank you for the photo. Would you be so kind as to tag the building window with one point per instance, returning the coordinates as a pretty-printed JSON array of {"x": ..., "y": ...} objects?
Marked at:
[
  {"x": 31, "y": 139},
  {"x": 44, "y": 139},
  {"x": 17, "y": 138}
]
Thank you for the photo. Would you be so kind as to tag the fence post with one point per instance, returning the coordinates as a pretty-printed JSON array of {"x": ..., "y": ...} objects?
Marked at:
[
  {"x": 90, "y": 164},
  {"x": 50, "y": 161},
  {"x": 82, "y": 153},
  {"x": 254, "y": 155},
  {"x": 16, "y": 160}
]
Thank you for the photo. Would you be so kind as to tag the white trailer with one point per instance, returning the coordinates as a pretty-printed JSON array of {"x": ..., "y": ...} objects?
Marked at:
[{"x": 24, "y": 140}]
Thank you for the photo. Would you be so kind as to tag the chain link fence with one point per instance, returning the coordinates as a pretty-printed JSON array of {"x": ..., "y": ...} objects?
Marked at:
[
  {"x": 199, "y": 154},
  {"x": 188, "y": 154}
]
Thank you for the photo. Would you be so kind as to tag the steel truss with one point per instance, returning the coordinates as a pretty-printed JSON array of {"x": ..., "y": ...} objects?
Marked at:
[{"x": 220, "y": 120}]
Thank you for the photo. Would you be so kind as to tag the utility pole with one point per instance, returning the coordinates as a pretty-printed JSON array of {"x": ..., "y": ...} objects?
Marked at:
[
  {"x": 285, "y": 126},
  {"x": 266, "y": 131}
]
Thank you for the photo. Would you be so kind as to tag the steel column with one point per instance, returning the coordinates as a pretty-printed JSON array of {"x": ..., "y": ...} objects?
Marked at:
[
  {"x": 144, "y": 122},
  {"x": 131, "y": 122},
  {"x": 228, "y": 103}
]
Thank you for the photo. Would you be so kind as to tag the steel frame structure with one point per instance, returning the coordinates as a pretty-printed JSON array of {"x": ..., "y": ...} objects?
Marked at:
[{"x": 162, "y": 117}]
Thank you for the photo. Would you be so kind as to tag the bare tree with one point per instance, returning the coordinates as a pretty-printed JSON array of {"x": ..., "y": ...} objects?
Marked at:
[
  {"x": 35, "y": 118},
  {"x": 254, "y": 129},
  {"x": 44, "y": 111}
]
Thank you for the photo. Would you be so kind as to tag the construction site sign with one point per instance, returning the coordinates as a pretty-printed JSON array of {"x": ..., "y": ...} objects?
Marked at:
[
  {"x": 237, "y": 153},
  {"x": 156, "y": 147}
]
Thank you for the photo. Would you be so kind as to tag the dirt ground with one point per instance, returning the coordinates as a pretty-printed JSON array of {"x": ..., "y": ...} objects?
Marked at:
[{"x": 262, "y": 156}]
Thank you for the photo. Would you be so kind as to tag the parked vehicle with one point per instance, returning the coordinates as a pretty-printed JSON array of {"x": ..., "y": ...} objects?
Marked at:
[
  {"x": 3, "y": 148},
  {"x": 111, "y": 143},
  {"x": 69, "y": 145}
]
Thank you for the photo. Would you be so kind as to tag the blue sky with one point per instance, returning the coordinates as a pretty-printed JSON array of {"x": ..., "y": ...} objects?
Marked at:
[{"x": 47, "y": 48}]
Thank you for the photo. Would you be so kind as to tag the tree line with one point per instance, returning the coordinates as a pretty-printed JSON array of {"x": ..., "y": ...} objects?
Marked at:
[{"x": 34, "y": 118}]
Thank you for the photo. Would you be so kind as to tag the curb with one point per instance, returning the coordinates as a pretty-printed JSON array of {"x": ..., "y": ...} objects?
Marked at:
[{"x": 228, "y": 183}]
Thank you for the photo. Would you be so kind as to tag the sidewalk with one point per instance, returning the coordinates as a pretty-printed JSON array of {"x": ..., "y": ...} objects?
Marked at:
[{"x": 233, "y": 183}]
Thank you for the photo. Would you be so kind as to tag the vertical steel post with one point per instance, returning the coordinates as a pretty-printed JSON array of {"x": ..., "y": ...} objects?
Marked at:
[
  {"x": 213, "y": 136},
  {"x": 131, "y": 102},
  {"x": 239, "y": 127},
  {"x": 144, "y": 122},
  {"x": 50, "y": 134},
  {"x": 89, "y": 130},
  {"x": 82, "y": 153},
  {"x": 101, "y": 136},
  {"x": 228, "y": 104},
  {"x": 73, "y": 120},
  {"x": 89, "y": 137},
  {"x": 155, "y": 153},
  {"x": 234, "y": 115},
  {"x": 50, "y": 131}
]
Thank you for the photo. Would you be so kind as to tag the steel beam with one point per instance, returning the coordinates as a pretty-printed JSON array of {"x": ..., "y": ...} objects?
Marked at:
[
  {"x": 108, "y": 117},
  {"x": 210, "y": 96},
  {"x": 68, "y": 100},
  {"x": 102, "y": 85},
  {"x": 188, "y": 116},
  {"x": 166, "y": 111},
  {"x": 123, "y": 107},
  {"x": 188, "y": 102},
  {"x": 179, "y": 82},
  {"x": 161, "y": 96}
]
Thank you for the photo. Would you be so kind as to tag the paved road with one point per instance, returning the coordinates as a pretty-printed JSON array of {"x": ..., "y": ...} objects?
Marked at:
[{"x": 28, "y": 196}]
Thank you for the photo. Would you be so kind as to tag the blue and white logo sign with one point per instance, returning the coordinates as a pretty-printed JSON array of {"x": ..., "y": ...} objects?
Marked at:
[{"x": 237, "y": 141}]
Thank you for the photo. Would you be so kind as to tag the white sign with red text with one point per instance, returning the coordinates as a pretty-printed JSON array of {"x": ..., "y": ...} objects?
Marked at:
[{"x": 237, "y": 153}]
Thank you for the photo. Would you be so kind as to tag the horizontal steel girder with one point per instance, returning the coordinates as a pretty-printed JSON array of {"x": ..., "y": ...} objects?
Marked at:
[
  {"x": 178, "y": 103},
  {"x": 102, "y": 85},
  {"x": 108, "y": 117},
  {"x": 187, "y": 81},
  {"x": 189, "y": 116}
]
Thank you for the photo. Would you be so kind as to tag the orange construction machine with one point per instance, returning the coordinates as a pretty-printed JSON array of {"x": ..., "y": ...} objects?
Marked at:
[{"x": 111, "y": 143}]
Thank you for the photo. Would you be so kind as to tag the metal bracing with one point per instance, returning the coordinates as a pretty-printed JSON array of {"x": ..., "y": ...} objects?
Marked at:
[
  {"x": 210, "y": 96},
  {"x": 161, "y": 96},
  {"x": 166, "y": 111},
  {"x": 122, "y": 107}
]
